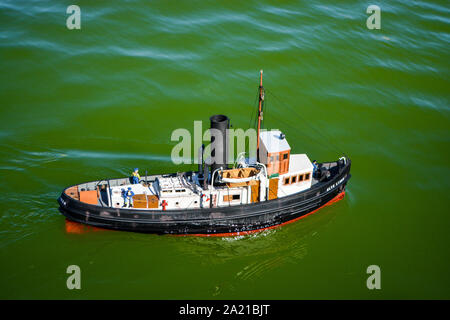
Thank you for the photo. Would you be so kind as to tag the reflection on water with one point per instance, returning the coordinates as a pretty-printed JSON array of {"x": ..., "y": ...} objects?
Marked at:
[
  {"x": 242, "y": 259},
  {"x": 262, "y": 251}
]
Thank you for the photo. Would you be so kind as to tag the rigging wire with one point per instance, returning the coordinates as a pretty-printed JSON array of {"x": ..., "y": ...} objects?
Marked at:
[
  {"x": 264, "y": 111},
  {"x": 325, "y": 137},
  {"x": 252, "y": 121},
  {"x": 312, "y": 138},
  {"x": 283, "y": 121}
]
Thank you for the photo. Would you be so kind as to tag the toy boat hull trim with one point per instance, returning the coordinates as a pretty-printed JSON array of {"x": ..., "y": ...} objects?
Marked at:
[{"x": 230, "y": 220}]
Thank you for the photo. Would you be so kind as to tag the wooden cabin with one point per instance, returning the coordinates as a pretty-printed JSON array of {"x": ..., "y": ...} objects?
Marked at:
[{"x": 274, "y": 152}]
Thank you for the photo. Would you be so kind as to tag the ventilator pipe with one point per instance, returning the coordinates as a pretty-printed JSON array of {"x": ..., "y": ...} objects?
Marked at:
[
  {"x": 200, "y": 159},
  {"x": 264, "y": 166},
  {"x": 212, "y": 177},
  {"x": 211, "y": 185},
  {"x": 238, "y": 159},
  {"x": 265, "y": 171}
]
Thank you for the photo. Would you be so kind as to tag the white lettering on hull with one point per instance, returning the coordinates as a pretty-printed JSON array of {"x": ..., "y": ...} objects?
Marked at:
[{"x": 334, "y": 185}]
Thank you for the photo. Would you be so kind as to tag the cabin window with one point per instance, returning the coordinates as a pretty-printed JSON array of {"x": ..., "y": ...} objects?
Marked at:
[
  {"x": 231, "y": 197},
  {"x": 285, "y": 156},
  {"x": 300, "y": 178},
  {"x": 286, "y": 180},
  {"x": 306, "y": 176},
  {"x": 294, "y": 179},
  {"x": 180, "y": 190}
]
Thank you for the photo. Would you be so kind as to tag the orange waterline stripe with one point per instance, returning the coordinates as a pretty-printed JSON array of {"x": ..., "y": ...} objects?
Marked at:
[{"x": 339, "y": 197}]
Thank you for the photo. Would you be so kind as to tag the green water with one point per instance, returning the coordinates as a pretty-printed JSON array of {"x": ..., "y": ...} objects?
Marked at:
[{"x": 82, "y": 105}]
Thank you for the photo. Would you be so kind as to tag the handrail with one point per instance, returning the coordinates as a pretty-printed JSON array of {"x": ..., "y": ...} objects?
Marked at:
[
  {"x": 212, "y": 177},
  {"x": 212, "y": 185},
  {"x": 239, "y": 180},
  {"x": 110, "y": 197}
]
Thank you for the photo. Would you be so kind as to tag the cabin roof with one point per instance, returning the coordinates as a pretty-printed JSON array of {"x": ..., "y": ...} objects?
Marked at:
[
  {"x": 273, "y": 142},
  {"x": 299, "y": 163}
]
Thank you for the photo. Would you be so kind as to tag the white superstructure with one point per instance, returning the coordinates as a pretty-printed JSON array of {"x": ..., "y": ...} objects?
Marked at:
[
  {"x": 298, "y": 177},
  {"x": 278, "y": 174}
]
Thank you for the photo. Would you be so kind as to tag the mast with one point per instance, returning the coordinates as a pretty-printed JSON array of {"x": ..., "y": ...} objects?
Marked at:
[{"x": 260, "y": 113}]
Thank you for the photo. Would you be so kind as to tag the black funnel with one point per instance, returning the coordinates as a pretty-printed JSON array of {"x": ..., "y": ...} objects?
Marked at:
[{"x": 219, "y": 141}]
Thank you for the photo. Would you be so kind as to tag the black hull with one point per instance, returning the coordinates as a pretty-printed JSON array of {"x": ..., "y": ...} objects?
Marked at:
[{"x": 240, "y": 219}]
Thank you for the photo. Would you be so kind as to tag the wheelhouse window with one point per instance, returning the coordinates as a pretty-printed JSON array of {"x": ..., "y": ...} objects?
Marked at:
[
  {"x": 306, "y": 176},
  {"x": 286, "y": 180},
  {"x": 300, "y": 178},
  {"x": 293, "y": 179}
]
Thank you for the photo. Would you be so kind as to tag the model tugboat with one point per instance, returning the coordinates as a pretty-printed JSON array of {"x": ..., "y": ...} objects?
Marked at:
[{"x": 274, "y": 189}]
